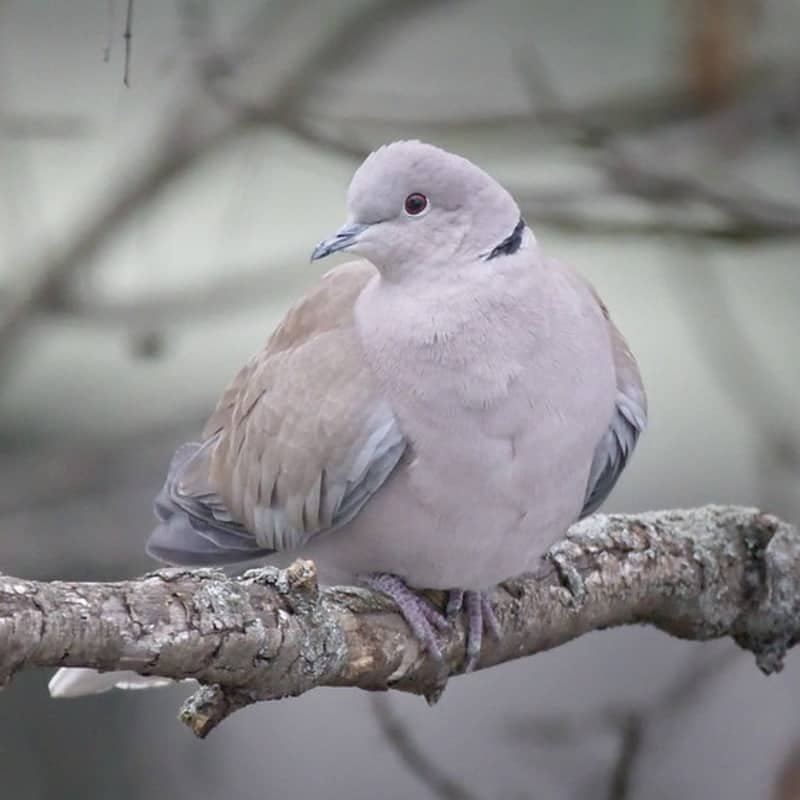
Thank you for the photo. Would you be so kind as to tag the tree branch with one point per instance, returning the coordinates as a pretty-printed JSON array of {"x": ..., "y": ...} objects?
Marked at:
[{"x": 698, "y": 574}]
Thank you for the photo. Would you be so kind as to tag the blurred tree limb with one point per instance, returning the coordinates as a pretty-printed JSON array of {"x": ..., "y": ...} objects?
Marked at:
[
  {"x": 414, "y": 756},
  {"x": 697, "y": 574},
  {"x": 631, "y": 724},
  {"x": 733, "y": 211},
  {"x": 192, "y": 135}
]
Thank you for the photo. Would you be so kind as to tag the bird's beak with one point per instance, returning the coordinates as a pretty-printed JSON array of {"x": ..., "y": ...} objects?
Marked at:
[{"x": 344, "y": 238}]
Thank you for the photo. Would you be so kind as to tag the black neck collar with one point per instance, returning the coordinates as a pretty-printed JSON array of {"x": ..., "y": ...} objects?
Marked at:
[{"x": 510, "y": 244}]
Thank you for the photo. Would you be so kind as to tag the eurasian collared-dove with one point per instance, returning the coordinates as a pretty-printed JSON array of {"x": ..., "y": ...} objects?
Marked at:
[{"x": 434, "y": 417}]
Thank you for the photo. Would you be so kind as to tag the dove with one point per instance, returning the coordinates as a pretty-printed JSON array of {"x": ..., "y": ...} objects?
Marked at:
[{"x": 432, "y": 415}]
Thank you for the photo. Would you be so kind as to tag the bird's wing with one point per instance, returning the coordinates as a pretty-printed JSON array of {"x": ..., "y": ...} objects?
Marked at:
[
  {"x": 628, "y": 422},
  {"x": 298, "y": 443}
]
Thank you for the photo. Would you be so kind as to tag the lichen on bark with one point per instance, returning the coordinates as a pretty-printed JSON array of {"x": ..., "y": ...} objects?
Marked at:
[{"x": 269, "y": 633}]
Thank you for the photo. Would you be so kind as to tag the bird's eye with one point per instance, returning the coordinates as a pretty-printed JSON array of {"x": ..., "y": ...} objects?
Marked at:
[{"x": 415, "y": 204}]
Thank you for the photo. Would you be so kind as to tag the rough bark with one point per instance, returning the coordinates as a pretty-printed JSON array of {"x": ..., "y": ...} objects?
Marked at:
[{"x": 697, "y": 574}]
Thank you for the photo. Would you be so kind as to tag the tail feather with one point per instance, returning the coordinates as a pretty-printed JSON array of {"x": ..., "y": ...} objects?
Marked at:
[
  {"x": 195, "y": 529},
  {"x": 79, "y": 682},
  {"x": 176, "y": 541}
]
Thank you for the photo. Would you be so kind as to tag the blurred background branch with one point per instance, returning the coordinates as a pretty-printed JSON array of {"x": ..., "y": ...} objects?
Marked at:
[
  {"x": 190, "y": 138},
  {"x": 421, "y": 764},
  {"x": 629, "y": 725}
]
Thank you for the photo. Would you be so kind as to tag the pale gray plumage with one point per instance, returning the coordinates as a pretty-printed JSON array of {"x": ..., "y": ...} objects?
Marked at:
[
  {"x": 435, "y": 418},
  {"x": 444, "y": 418},
  {"x": 441, "y": 414}
]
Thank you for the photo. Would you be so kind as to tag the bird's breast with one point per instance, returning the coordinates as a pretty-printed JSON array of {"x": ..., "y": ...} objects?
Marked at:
[{"x": 485, "y": 382}]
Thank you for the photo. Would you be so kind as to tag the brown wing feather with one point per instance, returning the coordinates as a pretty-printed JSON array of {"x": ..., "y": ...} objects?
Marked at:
[
  {"x": 290, "y": 425},
  {"x": 628, "y": 422}
]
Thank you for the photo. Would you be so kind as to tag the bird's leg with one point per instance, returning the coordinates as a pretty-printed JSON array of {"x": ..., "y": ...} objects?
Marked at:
[
  {"x": 423, "y": 619},
  {"x": 490, "y": 620},
  {"x": 561, "y": 556},
  {"x": 480, "y": 614},
  {"x": 455, "y": 603}
]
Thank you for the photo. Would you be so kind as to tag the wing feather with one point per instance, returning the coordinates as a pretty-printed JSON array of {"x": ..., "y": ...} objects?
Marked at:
[
  {"x": 628, "y": 422},
  {"x": 297, "y": 445}
]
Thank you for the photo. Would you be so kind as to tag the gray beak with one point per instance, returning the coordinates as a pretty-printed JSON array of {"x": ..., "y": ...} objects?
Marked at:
[{"x": 344, "y": 238}]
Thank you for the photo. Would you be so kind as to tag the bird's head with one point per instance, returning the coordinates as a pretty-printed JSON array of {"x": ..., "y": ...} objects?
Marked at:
[{"x": 414, "y": 206}]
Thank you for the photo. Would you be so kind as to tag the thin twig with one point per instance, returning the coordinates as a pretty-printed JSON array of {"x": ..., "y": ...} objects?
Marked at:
[
  {"x": 413, "y": 756},
  {"x": 128, "y": 37},
  {"x": 632, "y": 726},
  {"x": 673, "y": 700},
  {"x": 629, "y": 723},
  {"x": 109, "y": 30},
  {"x": 630, "y": 745}
]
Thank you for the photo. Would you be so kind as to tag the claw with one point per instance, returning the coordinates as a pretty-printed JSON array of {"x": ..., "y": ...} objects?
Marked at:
[
  {"x": 424, "y": 619},
  {"x": 490, "y": 620},
  {"x": 420, "y": 616},
  {"x": 455, "y": 603},
  {"x": 479, "y": 615},
  {"x": 560, "y": 556},
  {"x": 474, "y": 630}
]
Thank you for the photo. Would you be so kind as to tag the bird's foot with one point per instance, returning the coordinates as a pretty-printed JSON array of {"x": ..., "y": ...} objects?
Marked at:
[
  {"x": 561, "y": 555},
  {"x": 480, "y": 614},
  {"x": 419, "y": 614}
]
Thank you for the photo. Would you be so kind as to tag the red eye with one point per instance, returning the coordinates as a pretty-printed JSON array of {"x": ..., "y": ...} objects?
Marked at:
[{"x": 415, "y": 204}]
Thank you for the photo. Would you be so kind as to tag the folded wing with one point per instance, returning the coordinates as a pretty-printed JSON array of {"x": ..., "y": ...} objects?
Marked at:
[
  {"x": 628, "y": 422},
  {"x": 297, "y": 445}
]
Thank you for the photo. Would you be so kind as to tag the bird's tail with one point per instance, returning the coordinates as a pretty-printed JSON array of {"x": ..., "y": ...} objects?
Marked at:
[
  {"x": 79, "y": 682},
  {"x": 195, "y": 529}
]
